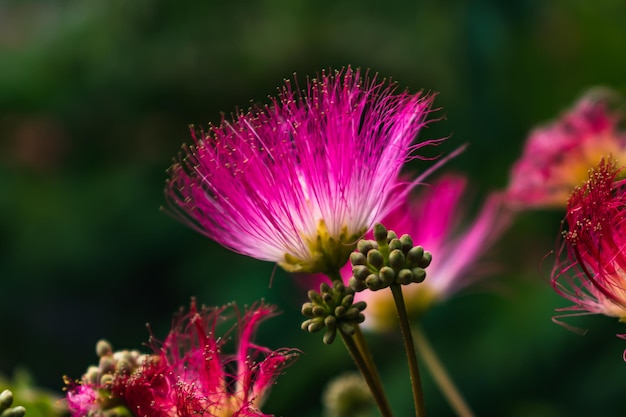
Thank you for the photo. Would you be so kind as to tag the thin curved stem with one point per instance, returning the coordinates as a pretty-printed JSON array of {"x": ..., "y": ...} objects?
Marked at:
[
  {"x": 405, "y": 326},
  {"x": 361, "y": 363},
  {"x": 361, "y": 344},
  {"x": 439, "y": 374}
]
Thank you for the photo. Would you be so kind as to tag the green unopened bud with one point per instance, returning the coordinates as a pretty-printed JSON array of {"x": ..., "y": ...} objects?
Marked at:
[
  {"x": 426, "y": 260},
  {"x": 319, "y": 311},
  {"x": 339, "y": 287},
  {"x": 106, "y": 364},
  {"x": 360, "y": 272},
  {"x": 106, "y": 379},
  {"x": 357, "y": 258},
  {"x": 387, "y": 275},
  {"x": 329, "y": 336},
  {"x": 356, "y": 285},
  {"x": 307, "y": 309},
  {"x": 143, "y": 359},
  {"x": 407, "y": 243},
  {"x": 330, "y": 321},
  {"x": 347, "y": 300},
  {"x": 373, "y": 282},
  {"x": 6, "y": 399},
  {"x": 324, "y": 287},
  {"x": 414, "y": 256},
  {"x": 103, "y": 348},
  {"x": 360, "y": 305},
  {"x": 123, "y": 355},
  {"x": 419, "y": 275},
  {"x": 124, "y": 366},
  {"x": 375, "y": 258},
  {"x": 365, "y": 246},
  {"x": 340, "y": 311},
  {"x": 396, "y": 259},
  {"x": 391, "y": 235},
  {"x": 352, "y": 313},
  {"x": 315, "y": 297},
  {"x": 395, "y": 244},
  {"x": 92, "y": 375},
  {"x": 380, "y": 234},
  {"x": 315, "y": 325},
  {"x": 18, "y": 411},
  {"x": 405, "y": 277}
]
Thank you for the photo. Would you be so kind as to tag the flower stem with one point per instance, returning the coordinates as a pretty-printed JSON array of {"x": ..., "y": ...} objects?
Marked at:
[
  {"x": 361, "y": 344},
  {"x": 405, "y": 327},
  {"x": 440, "y": 375},
  {"x": 368, "y": 375}
]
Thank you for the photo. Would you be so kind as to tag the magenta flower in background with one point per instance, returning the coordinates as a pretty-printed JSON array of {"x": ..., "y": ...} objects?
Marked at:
[
  {"x": 189, "y": 375},
  {"x": 558, "y": 156},
  {"x": 433, "y": 218},
  {"x": 591, "y": 267},
  {"x": 82, "y": 400},
  {"x": 299, "y": 181}
]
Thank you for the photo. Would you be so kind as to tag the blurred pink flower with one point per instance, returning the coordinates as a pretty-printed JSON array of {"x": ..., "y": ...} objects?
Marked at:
[
  {"x": 299, "y": 181},
  {"x": 558, "y": 156},
  {"x": 433, "y": 219},
  {"x": 591, "y": 268},
  {"x": 81, "y": 400},
  {"x": 188, "y": 375}
]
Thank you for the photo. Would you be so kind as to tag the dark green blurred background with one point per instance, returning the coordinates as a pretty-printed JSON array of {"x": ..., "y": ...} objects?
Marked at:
[{"x": 95, "y": 99}]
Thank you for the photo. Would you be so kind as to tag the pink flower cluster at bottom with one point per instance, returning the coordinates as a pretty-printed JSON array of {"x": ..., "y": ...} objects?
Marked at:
[{"x": 189, "y": 375}]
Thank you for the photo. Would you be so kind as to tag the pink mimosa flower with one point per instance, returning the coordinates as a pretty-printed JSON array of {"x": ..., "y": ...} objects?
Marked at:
[
  {"x": 558, "y": 156},
  {"x": 188, "y": 375},
  {"x": 433, "y": 219},
  {"x": 82, "y": 400},
  {"x": 299, "y": 181},
  {"x": 591, "y": 268}
]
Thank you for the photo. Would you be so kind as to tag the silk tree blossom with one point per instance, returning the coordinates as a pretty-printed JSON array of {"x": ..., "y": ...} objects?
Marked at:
[
  {"x": 433, "y": 219},
  {"x": 300, "y": 180},
  {"x": 558, "y": 156},
  {"x": 189, "y": 375},
  {"x": 82, "y": 400},
  {"x": 591, "y": 267}
]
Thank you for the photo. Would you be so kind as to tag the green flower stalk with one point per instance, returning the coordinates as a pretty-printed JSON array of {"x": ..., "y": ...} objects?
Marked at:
[{"x": 389, "y": 261}]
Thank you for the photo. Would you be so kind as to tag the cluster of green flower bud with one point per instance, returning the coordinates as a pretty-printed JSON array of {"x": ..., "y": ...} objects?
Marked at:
[
  {"x": 122, "y": 362},
  {"x": 378, "y": 263},
  {"x": 332, "y": 308},
  {"x": 6, "y": 400}
]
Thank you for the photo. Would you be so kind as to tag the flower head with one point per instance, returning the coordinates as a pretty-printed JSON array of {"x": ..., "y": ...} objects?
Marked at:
[
  {"x": 188, "y": 375},
  {"x": 432, "y": 219},
  {"x": 557, "y": 156},
  {"x": 299, "y": 181},
  {"x": 591, "y": 272},
  {"x": 91, "y": 396},
  {"x": 82, "y": 400}
]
